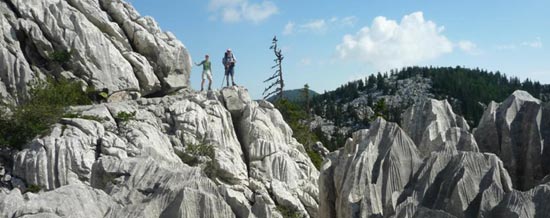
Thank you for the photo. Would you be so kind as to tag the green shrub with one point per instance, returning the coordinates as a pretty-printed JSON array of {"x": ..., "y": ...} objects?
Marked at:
[
  {"x": 288, "y": 212},
  {"x": 124, "y": 116},
  {"x": 33, "y": 188},
  {"x": 86, "y": 117},
  {"x": 315, "y": 158},
  {"x": 194, "y": 151},
  {"x": 61, "y": 56},
  {"x": 44, "y": 106}
]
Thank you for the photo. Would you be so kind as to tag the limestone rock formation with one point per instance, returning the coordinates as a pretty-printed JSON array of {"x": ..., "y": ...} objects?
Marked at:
[
  {"x": 512, "y": 131},
  {"x": 364, "y": 178},
  {"x": 151, "y": 157},
  {"x": 75, "y": 200},
  {"x": 529, "y": 204},
  {"x": 274, "y": 158},
  {"x": 434, "y": 126},
  {"x": 463, "y": 184},
  {"x": 54, "y": 38}
]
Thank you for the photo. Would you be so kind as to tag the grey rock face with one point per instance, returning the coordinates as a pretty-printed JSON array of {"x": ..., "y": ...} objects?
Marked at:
[
  {"x": 364, "y": 178},
  {"x": 530, "y": 204},
  {"x": 512, "y": 131},
  {"x": 273, "y": 157},
  {"x": 434, "y": 126},
  {"x": 463, "y": 184},
  {"x": 129, "y": 52},
  {"x": 256, "y": 165},
  {"x": 75, "y": 200}
]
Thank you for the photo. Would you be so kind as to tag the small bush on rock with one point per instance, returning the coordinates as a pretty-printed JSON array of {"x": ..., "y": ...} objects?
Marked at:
[
  {"x": 288, "y": 212},
  {"x": 61, "y": 56},
  {"x": 44, "y": 106},
  {"x": 33, "y": 188},
  {"x": 124, "y": 116},
  {"x": 194, "y": 151}
]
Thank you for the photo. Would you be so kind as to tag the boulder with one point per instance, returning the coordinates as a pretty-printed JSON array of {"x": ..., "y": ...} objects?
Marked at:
[
  {"x": 235, "y": 100},
  {"x": 512, "y": 131},
  {"x": 320, "y": 149},
  {"x": 75, "y": 200}
]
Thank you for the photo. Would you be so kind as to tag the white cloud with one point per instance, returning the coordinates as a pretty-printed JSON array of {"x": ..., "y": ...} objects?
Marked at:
[
  {"x": 319, "y": 25},
  {"x": 315, "y": 26},
  {"x": 348, "y": 21},
  {"x": 232, "y": 11},
  {"x": 537, "y": 43},
  {"x": 468, "y": 47},
  {"x": 388, "y": 44},
  {"x": 289, "y": 28}
]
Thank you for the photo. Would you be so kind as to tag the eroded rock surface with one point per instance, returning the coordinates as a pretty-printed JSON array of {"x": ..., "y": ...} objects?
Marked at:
[
  {"x": 512, "y": 131},
  {"x": 55, "y": 37},
  {"x": 434, "y": 126},
  {"x": 138, "y": 152},
  {"x": 364, "y": 178}
]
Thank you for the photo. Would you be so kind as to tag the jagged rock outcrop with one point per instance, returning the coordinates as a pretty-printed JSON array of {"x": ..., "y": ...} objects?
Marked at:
[
  {"x": 512, "y": 131},
  {"x": 433, "y": 126},
  {"x": 103, "y": 43},
  {"x": 274, "y": 159},
  {"x": 364, "y": 178},
  {"x": 453, "y": 180},
  {"x": 135, "y": 152},
  {"x": 462, "y": 184},
  {"x": 530, "y": 204}
]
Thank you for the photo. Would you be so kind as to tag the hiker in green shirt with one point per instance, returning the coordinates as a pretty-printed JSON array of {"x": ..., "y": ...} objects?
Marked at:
[{"x": 206, "y": 72}]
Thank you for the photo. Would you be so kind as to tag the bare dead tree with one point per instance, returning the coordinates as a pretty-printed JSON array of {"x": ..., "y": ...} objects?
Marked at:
[{"x": 277, "y": 77}]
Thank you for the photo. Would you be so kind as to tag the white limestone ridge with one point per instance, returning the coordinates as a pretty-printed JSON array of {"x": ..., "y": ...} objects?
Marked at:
[{"x": 132, "y": 166}]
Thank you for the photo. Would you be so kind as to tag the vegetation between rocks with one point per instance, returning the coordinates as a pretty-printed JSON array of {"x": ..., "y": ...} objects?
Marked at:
[
  {"x": 288, "y": 212},
  {"x": 33, "y": 188},
  {"x": 44, "y": 106},
  {"x": 294, "y": 115}
]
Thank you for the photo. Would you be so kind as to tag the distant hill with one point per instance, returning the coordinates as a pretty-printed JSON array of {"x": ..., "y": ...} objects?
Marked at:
[
  {"x": 295, "y": 95},
  {"x": 469, "y": 91}
]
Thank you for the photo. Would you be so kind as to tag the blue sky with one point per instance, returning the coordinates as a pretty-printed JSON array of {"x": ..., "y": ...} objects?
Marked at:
[{"x": 327, "y": 43}]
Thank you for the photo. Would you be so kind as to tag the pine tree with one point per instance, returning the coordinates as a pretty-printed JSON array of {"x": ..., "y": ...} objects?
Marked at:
[{"x": 305, "y": 93}]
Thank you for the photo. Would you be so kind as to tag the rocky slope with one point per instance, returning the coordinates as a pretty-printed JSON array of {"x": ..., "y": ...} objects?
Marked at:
[
  {"x": 133, "y": 167},
  {"x": 432, "y": 168},
  {"x": 103, "y": 43}
]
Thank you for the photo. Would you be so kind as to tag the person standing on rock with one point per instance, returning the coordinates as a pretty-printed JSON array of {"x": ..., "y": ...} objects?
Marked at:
[
  {"x": 229, "y": 61},
  {"x": 206, "y": 72}
]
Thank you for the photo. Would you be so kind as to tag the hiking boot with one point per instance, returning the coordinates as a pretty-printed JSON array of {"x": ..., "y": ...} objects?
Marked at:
[{"x": 234, "y": 84}]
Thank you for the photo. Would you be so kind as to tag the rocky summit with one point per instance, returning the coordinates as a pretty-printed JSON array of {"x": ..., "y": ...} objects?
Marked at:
[
  {"x": 103, "y": 43},
  {"x": 157, "y": 148},
  {"x": 144, "y": 166}
]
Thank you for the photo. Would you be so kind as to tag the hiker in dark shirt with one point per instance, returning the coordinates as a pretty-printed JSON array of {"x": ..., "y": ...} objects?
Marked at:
[{"x": 229, "y": 61}]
